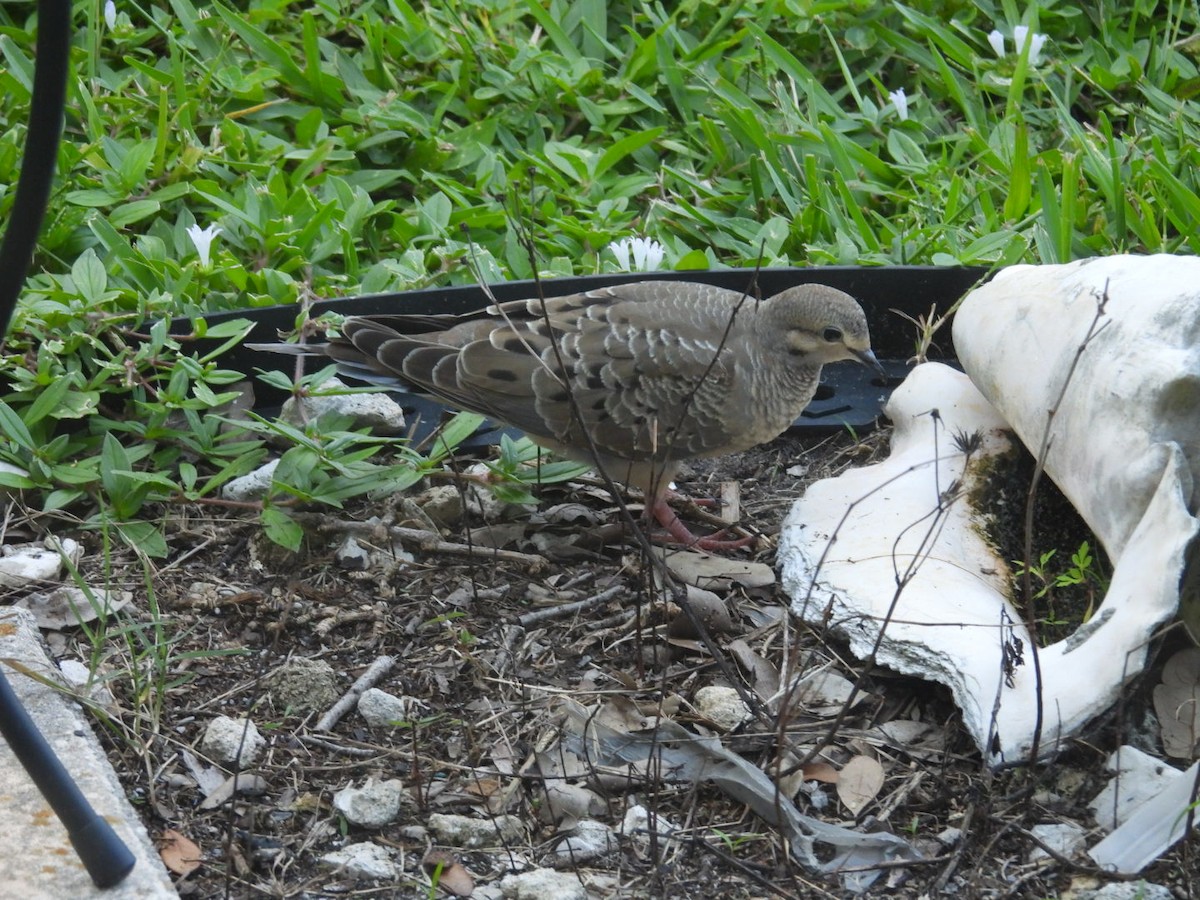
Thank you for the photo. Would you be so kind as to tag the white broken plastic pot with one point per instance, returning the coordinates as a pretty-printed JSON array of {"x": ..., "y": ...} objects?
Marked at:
[{"x": 893, "y": 564}]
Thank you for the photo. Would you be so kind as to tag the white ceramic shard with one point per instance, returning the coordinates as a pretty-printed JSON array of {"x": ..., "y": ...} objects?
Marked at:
[
  {"x": 1125, "y": 450},
  {"x": 871, "y": 547},
  {"x": 1134, "y": 396}
]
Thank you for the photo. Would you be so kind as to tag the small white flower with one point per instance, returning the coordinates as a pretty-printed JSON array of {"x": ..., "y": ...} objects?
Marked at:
[
  {"x": 1035, "y": 49},
  {"x": 1020, "y": 33},
  {"x": 203, "y": 239},
  {"x": 897, "y": 97},
  {"x": 647, "y": 254},
  {"x": 110, "y": 14},
  {"x": 996, "y": 39}
]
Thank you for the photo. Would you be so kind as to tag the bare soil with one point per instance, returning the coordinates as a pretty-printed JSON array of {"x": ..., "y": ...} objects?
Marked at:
[{"x": 487, "y": 669}]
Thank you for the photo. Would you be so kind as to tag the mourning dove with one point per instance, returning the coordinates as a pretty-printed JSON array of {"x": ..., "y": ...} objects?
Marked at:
[{"x": 633, "y": 379}]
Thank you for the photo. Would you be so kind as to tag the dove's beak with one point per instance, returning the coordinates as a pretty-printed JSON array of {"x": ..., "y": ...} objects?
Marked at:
[{"x": 867, "y": 358}]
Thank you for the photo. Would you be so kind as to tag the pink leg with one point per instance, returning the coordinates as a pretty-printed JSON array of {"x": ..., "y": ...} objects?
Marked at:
[{"x": 681, "y": 534}]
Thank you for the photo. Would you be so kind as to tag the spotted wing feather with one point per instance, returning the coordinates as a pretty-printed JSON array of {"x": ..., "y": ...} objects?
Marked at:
[{"x": 641, "y": 388}]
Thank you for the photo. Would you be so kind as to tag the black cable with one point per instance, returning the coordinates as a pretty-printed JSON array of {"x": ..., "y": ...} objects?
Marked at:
[
  {"x": 100, "y": 850},
  {"x": 41, "y": 151}
]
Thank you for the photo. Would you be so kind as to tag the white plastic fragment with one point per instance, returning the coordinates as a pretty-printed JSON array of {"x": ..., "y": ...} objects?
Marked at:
[
  {"x": 1137, "y": 777},
  {"x": 1156, "y": 825}
]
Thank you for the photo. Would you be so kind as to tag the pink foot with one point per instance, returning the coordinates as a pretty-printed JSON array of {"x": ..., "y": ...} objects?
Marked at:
[{"x": 678, "y": 533}]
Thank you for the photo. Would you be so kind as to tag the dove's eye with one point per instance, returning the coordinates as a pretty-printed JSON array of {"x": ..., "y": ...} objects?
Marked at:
[{"x": 832, "y": 334}]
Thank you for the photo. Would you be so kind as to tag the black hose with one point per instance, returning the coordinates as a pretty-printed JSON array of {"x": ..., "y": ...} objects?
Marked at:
[{"x": 102, "y": 853}]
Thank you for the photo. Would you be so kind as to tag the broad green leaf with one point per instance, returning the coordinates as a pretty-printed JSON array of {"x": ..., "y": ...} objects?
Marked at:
[
  {"x": 281, "y": 529},
  {"x": 143, "y": 537},
  {"x": 89, "y": 276},
  {"x": 13, "y": 428}
]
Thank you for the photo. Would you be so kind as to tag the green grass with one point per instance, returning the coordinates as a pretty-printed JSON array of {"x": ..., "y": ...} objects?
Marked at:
[{"x": 348, "y": 148}]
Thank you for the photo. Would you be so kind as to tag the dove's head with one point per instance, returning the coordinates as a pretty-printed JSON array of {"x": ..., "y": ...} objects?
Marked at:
[{"x": 820, "y": 325}]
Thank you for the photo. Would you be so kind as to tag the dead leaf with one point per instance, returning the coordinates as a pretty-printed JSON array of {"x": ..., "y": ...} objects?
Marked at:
[
  {"x": 68, "y": 606},
  {"x": 763, "y": 617},
  {"x": 448, "y": 873},
  {"x": 821, "y": 771},
  {"x": 919, "y": 740},
  {"x": 622, "y": 714},
  {"x": 715, "y": 573},
  {"x": 571, "y": 514},
  {"x": 245, "y": 783},
  {"x": 484, "y": 788},
  {"x": 497, "y": 535},
  {"x": 708, "y": 608},
  {"x": 859, "y": 783},
  {"x": 178, "y": 853},
  {"x": 764, "y": 677},
  {"x": 1177, "y": 702},
  {"x": 791, "y": 783},
  {"x": 208, "y": 778},
  {"x": 824, "y": 693}
]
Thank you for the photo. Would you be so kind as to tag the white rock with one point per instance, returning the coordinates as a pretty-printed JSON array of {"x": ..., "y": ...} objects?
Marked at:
[
  {"x": 352, "y": 556},
  {"x": 587, "y": 840},
  {"x": 464, "y": 831},
  {"x": 543, "y": 884},
  {"x": 1064, "y": 838},
  {"x": 384, "y": 710},
  {"x": 640, "y": 821},
  {"x": 21, "y": 564},
  {"x": 68, "y": 547},
  {"x": 229, "y": 741},
  {"x": 373, "y": 805},
  {"x": 364, "y": 860},
  {"x": 79, "y": 676},
  {"x": 418, "y": 834},
  {"x": 377, "y": 411},
  {"x": 950, "y": 837},
  {"x": 484, "y": 503},
  {"x": 1131, "y": 890},
  {"x": 443, "y": 504},
  {"x": 253, "y": 485},
  {"x": 303, "y": 683},
  {"x": 722, "y": 706},
  {"x": 567, "y": 804}
]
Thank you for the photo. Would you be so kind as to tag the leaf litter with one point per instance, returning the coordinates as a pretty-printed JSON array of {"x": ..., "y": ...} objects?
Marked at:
[{"x": 558, "y": 692}]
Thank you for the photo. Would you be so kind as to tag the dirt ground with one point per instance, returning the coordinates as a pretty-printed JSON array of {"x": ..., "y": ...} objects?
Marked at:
[{"x": 487, "y": 663}]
